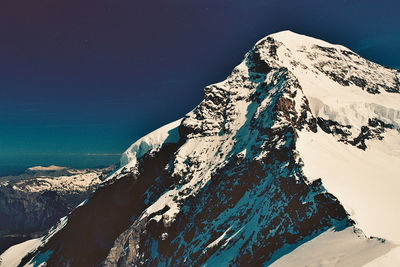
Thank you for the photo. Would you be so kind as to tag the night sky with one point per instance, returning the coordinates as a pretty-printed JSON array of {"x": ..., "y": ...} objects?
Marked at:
[{"x": 81, "y": 80}]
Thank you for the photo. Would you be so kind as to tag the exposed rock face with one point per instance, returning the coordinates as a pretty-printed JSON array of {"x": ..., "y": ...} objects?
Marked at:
[
  {"x": 373, "y": 130},
  {"x": 231, "y": 189},
  {"x": 34, "y": 201}
]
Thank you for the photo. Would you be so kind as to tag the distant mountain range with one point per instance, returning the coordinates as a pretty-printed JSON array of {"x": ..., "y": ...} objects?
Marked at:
[{"x": 35, "y": 200}]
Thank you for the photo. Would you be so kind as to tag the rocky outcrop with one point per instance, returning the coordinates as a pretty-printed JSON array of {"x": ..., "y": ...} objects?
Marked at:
[{"x": 374, "y": 130}]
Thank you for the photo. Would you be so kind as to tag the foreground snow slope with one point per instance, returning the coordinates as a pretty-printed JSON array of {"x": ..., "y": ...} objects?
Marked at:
[
  {"x": 332, "y": 248},
  {"x": 14, "y": 255},
  {"x": 236, "y": 181},
  {"x": 366, "y": 182}
]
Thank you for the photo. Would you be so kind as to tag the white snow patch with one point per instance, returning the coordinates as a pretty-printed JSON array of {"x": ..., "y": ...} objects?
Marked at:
[
  {"x": 82, "y": 203},
  {"x": 231, "y": 237},
  {"x": 219, "y": 239},
  {"x": 53, "y": 230}
]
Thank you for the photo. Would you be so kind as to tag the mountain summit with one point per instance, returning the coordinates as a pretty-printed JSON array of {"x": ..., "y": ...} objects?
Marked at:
[{"x": 287, "y": 162}]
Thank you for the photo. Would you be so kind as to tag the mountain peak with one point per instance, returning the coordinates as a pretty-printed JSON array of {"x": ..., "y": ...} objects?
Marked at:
[{"x": 290, "y": 39}]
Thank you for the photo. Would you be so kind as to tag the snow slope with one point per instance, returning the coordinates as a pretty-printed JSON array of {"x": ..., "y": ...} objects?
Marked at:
[
  {"x": 366, "y": 182},
  {"x": 336, "y": 248},
  {"x": 14, "y": 255}
]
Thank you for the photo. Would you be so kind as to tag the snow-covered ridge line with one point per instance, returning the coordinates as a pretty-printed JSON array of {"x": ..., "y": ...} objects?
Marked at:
[{"x": 153, "y": 141}]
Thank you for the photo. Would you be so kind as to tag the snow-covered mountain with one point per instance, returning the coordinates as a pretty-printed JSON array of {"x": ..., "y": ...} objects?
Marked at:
[{"x": 290, "y": 161}]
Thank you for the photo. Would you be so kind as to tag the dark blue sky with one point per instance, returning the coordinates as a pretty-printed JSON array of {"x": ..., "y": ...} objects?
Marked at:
[{"x": 89, "y": 77}]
